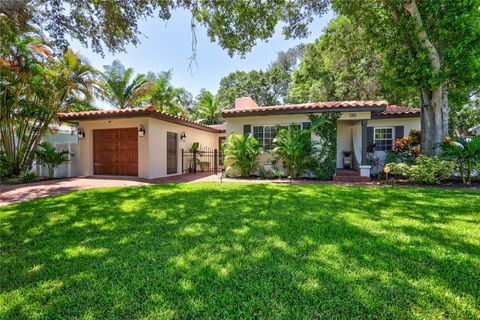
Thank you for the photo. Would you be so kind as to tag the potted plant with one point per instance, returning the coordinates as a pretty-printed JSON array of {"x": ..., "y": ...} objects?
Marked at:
[
  {"x": 204, "y": 166},
  {"x": 347, "y": 159}
]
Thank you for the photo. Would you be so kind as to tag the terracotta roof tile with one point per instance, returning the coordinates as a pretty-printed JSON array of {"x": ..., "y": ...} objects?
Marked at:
[
  {"x": 397, "y": 110},
  {"x": 221, "y": 126},
  {"x": 309, "y": 106},
  {"x": 147, "y": 111}
]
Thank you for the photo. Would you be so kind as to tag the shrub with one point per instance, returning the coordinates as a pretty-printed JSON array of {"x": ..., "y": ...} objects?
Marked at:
[
  {"x": 294, "y": 147},
  {"x": 6, "y": 165},
  {"x": 324, "y": 159},
  {"x": 242, "y": 152},
  {"x": 429, "y": 170},
  {"x": 399, "y": 169},
  {"x": 23, "y": 177},
  {"x": 465, "y": 152},
  {"x": 47, "y": 155},
  {"x": 406, "y": 149}
]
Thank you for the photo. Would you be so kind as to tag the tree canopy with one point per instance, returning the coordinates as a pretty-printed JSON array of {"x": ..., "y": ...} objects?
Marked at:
[
  {"x": 235, "y": 25},
  {"x": 269, "y": 87},
  {"x": 431, "y": 44},
  {"x": 343, "y": 65}
]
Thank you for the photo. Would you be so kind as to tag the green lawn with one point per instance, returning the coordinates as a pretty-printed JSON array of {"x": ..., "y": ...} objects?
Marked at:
[{"x": 242, "y": 251}]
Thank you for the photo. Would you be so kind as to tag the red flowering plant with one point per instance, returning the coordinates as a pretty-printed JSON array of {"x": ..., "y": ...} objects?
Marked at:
[{"x": 406, "y": 149}]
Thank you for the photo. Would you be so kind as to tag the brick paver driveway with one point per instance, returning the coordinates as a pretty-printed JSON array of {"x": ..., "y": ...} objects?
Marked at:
[{"x": 17, "y": 193}]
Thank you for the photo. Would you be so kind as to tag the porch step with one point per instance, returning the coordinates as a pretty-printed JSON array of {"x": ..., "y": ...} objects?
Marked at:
[
  {"x": 352, "y": 179},
  {"x": 346, "y": 173},
  {"x": 349, "y": 175}
]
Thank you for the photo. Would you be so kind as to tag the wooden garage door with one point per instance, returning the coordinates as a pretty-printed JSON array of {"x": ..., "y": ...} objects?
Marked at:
[{"x": 115, "y": 152}]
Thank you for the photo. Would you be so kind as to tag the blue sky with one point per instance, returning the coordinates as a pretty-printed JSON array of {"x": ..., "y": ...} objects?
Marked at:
[{"x": 167, "y": 45}]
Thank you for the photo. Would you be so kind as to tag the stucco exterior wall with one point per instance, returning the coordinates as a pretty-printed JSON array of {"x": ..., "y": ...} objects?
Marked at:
[
  {"x": 86, "y": 144},
  {"x": 152, "y": 148},
  {"x": 407, "y": 123},
  {"x": 158, "y": 144},
  {"x": 235, "y": 125}
]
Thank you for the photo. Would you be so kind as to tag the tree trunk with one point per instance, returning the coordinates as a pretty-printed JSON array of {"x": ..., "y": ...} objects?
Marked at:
[
  {"x": 434, "y": 119},
  {"x": 434, "y": 102}
]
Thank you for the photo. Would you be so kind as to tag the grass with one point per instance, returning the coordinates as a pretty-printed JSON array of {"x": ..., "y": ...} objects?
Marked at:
[{"x": 242, "y": 251}]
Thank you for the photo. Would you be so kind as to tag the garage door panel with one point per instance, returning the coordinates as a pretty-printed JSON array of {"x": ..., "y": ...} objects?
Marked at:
[{"x": 116, "y": 152}]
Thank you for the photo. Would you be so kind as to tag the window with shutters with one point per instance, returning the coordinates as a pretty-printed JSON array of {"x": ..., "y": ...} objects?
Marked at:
[
  {"x": 383, "y": 138},
  {"x": 266, "y": 134}
]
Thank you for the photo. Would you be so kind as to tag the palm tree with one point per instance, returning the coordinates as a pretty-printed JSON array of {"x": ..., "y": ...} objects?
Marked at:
[
  {"x": 208, "y": 109},
  {"x": 35, "y": 86},
  {"x": 165, "y": 97},
  {"x": 120, "y": 88}
]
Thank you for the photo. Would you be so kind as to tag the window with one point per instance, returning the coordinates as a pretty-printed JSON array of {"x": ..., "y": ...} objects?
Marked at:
[
  {"x": 383, "y": 139},
  {"x": 266, "y": 134}
]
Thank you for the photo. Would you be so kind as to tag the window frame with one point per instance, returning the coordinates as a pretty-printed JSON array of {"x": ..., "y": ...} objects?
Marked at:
[
  {"x": 279, "y": 126},
  {"x": 375, "y": 138}
]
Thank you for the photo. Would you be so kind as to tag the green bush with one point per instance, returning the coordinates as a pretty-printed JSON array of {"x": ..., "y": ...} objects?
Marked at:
[
  {"x": 406, "y": 149},
  {"x": 324, "y": 160},
  {"x": 23, "y": 177},
  {"x": 429, "y": 170},
  {"x": 465, "y": 152},
  {"x": 294, "y": 147},
  {"x": 6, "y": 165},
  {"x": 242, "y": 152},
  {"x": 48, "y": 155}
]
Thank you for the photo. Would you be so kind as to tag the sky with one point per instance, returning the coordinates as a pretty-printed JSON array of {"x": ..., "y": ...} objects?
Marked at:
[{"x": 166, "y": 45}]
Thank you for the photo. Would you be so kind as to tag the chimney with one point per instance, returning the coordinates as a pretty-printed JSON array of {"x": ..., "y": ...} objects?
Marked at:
[{"x": 245, "y": 102}]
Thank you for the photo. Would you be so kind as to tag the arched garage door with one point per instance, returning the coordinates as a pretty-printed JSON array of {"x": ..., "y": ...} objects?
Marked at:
[{"x": 115, "y": 152}]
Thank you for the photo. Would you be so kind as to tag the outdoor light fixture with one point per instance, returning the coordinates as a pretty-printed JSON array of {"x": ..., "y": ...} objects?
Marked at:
[
  {"x": 80, "y": 133},
  {"x": 141, "y": 131},
  {"x": 183, "y": 136}
]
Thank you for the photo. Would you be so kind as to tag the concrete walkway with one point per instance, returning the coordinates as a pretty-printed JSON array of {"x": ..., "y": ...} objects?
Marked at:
[{"x": 17, "y": 193}]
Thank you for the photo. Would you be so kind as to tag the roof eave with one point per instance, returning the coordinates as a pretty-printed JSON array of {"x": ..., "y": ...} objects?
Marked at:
[
  {"x": 304, "y": 111},
  {"x": 398, "y": 115},
  {"x": 139, "y": 114}
]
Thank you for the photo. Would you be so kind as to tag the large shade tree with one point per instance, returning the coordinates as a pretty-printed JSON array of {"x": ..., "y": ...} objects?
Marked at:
[
  {"x": 342, "y": 64},
  {"x": 269, "y": 87},
  {"x": 432, "y": 44}
]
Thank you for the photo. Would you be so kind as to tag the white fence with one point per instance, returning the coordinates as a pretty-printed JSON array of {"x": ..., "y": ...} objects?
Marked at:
[{"x": 66, "y": 170}]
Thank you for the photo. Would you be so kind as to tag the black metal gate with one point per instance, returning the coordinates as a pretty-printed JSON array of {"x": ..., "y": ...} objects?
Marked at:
[{"x": 204, "y": 160}]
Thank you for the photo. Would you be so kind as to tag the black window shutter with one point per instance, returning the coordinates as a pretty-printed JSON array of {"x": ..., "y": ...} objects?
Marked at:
[
  {"x": 369, "y": 136},
  {"x": 247, "y": 128},
  {"x": 306, "y": 125},
  {"x": 399, "y": 132}
]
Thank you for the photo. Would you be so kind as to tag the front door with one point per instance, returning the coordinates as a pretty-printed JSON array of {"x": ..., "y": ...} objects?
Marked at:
[{"x": 171, "y": 153}]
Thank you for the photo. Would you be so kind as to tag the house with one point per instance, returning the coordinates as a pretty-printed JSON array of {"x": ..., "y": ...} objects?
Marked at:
[
  {"x": 362, "y": 124},
  {"x": 148, "y": 143},
  {"x": 141, "y": 142}
]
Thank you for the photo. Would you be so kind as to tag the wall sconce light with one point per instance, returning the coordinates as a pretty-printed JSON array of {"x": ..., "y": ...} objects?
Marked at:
[
  {"x": 80, "y": 133},
  {"x": 141, "y": 131},
  {"x": 183, "y": 136}
]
